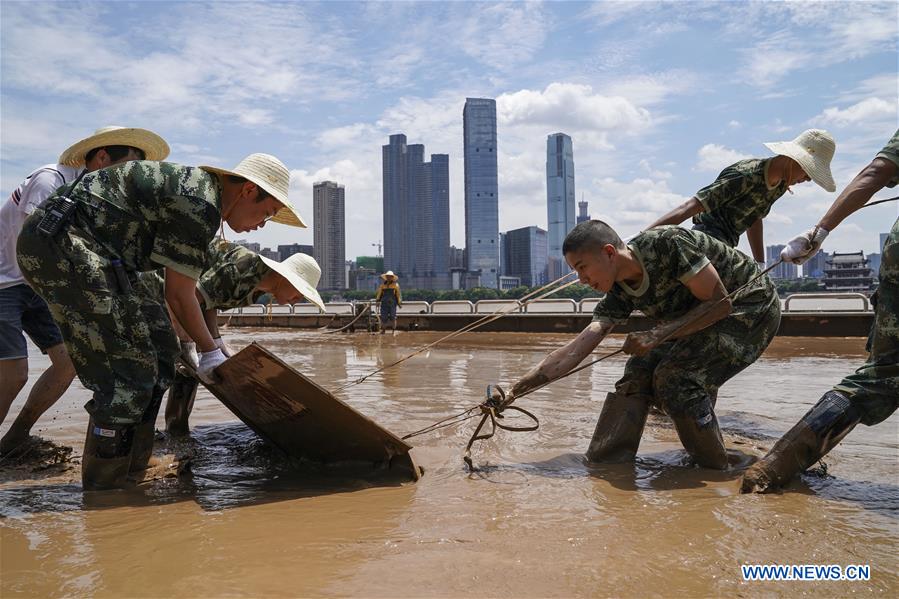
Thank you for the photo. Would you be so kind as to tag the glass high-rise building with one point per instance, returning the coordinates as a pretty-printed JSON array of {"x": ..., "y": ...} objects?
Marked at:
[
  {"x": 582, "y": 215},
  {"x": 560, "y": 204},
  {"x": 481, "y": 190},
  {"x": 329, "y": 233},
  {"x": 416, "y": 214},
  {"x": 525, "y": 255}
]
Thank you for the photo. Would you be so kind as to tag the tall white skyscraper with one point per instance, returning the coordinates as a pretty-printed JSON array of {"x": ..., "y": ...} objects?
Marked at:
[
  {"x": 329, "y": 233},
  {"x": 481, "y": 190},
  {"x": 560, "y": 203}
]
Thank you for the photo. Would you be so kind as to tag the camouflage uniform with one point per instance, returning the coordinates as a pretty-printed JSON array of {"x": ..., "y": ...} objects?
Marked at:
[
  {"x": 874, "y": 388},
  {"x": 147, "y": 215},
  {"x": 736, "y": 199},
  {"x": 681, "y": 374},
  {"x": 232, "y": 278}
]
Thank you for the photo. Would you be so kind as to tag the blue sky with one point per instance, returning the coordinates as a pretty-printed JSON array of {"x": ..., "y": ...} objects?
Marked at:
[{"x": 657, "y": 96}]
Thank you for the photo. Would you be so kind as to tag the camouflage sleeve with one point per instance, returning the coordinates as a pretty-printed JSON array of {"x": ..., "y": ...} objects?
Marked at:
[
  {"x": 730, "y": 184},
  {"x": 891, "y": 152},
  {"x": 215, "y": 287},
  {"x": 151, "y": 286},
  {"x": 613, "y": 308},
  {"x": 689, "y": 259},
  {"x": 185, "y": 227}
]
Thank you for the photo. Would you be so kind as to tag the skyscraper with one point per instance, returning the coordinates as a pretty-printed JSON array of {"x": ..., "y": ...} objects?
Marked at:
[
  {"x": 560, "y": 216},
  {"x": 582, "y": 215},
  {"x": 329, "y": 233},
  {"x": 784, "y": 270},
  {"x": 481, "y": 189},
  {"x": 815, "y": 266},
  {"x": 525, "y": 255},
  {"x": 416, "y": 214}
]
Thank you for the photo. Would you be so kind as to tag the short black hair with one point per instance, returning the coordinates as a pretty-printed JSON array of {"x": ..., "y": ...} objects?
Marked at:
[
  {"x": 240, "y": 180},
  {"x": 115, "y": 152},
  {"x": 591, "y": 233}
]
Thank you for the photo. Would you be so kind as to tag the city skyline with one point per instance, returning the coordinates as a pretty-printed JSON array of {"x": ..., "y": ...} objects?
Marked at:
[{"x": 652, "y": 122}]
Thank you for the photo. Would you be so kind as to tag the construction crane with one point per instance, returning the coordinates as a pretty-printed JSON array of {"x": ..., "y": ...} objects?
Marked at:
[{"x": 378, "y": 245}]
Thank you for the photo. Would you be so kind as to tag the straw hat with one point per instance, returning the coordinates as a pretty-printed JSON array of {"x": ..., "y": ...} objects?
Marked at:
[
  {"x": 270, "y": 174},
  {"x": 153, "y": 146},
  {"x": 389, "y": 273},
  {"x": 301, "y": 271},
  {"x": 813, "y": 150}
]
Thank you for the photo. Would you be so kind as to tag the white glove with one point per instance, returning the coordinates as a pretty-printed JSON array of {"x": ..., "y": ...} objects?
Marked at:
[
  {"x": 226, "y": 349},
  {"x": 761, "y": 265},
  {"x": 804, "y": 247},
  {"x": 209, "y": 360},
  {"x": 189, "y": 354}
]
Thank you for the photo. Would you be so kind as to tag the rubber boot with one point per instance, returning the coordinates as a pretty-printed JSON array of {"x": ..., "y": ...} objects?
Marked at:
[
  {"x": 180, "y": 404},
  {"x": 620, "y": 426},
  {"x": 107, "y": 455},
  {"x": 145, "y": 433},
  {"x": 819, "y": 431},
  {"x": 702, "y": 439}
]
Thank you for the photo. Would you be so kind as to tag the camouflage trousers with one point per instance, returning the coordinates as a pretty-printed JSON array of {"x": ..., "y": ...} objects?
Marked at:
[
  {"x": 682, "y": 375},
  {"x": 121, "y": 343},
  {"x": 874, "y": 388}
]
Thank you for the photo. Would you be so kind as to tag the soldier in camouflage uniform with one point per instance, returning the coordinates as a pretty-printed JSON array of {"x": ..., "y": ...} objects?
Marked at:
[
  {"x": 742, "y": 195},
  {"x": 682, "y": 278},
  {"x": 871, "y": 394},
  {"x": 82, "y": 250},
  {"x": 237, "y": 277}
]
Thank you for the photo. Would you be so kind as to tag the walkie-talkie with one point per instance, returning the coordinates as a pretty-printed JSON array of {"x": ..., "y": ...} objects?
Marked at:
[{"x": 58, "y": 213}]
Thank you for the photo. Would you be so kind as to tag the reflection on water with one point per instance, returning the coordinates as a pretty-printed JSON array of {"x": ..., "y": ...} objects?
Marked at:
[{"x": 231, "y": 517}]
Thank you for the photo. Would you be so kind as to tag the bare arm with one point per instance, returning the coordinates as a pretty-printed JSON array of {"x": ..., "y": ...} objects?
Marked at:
[
  {"x": 180, "y": 293},
  {"x": 210, "y": 316},
  {"x": 562, "y": 360},
  {"x": 755, "y": 236},
  {"x": 686, "y": 210},
  {"x": 869, "y": 181},
  {"x": 179, "y": 330},
  {"x": 705, "y": 285}
]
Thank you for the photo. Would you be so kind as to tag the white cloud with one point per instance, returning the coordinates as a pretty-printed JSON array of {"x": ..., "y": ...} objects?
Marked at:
[
  {"x": 870, "y": 110},
  {"x": 714, "y": 157}
]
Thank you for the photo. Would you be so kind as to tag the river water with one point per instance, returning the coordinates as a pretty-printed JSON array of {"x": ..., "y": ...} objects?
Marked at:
[{"x": 536, "y": 521}]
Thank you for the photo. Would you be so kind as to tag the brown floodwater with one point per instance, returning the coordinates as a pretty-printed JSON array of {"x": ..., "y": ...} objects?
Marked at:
[{"x": 536, "y": 521}]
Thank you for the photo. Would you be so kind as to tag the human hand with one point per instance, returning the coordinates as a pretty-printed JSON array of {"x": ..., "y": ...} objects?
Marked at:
[
  {"x": 226, "y": 349},
  {"x": 640, "y": 343},
  {"x": 189, "y": 354},
  {"x": 803, "y": 247},
  {"x": 209, "y": 361}
]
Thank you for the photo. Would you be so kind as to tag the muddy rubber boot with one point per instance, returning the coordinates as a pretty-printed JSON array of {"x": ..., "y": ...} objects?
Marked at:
[
  {"x": 145, "y": 434},
  {"x": 702, "y": 439},
  {"x": 620, "y": 426},
  {"x": 819, "y": 431},
  {"x": 180, "y": 404},
  {"x": 107, "y": 456}
]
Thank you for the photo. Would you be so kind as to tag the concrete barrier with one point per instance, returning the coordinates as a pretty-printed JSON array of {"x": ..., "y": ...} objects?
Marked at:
[
  {"x": 826, "y": 302},
  {"x": 306, "y": 308},
  {"x": 551, "y": 306},
  {"x": 339, "y": 308},
  {"x": 452, "y": 307},
  {"x": 588, "y": 304},
  {"x": 491, "y": 306},
  {"x": 414, "y": 308}
]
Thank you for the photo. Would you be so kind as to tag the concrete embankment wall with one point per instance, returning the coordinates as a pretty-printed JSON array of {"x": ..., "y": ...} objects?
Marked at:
[{"x": 792, "y": 324}]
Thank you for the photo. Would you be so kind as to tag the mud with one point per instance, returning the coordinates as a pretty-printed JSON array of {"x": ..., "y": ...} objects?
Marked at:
[{"x": 224, "y": 514}]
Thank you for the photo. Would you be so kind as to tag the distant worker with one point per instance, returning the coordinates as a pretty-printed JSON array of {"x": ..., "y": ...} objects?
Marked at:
[
  {"x": 391, "y": 297},
  {"x": 82, "y": 251},
  {"x": 21, "y": 309},
  {"x": 236, "y": 277},
  {"x": 871, "y": 394},
  {"x": 742, "y": 195},
  {"x": 683, "y": 279}
]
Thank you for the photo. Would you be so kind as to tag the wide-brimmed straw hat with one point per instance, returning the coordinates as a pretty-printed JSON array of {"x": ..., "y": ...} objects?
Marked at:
[
  {"x": 389, "y": 273},
  {"x": 301, "y": 271},
  {"x": 153, "y": 146},
  {"x": 270, "y": 174},
  {"x": 813, "y": 150}
]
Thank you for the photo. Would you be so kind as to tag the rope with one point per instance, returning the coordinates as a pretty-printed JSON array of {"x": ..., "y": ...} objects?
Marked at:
[
  {"x": 345, "y": 327},
  {"x": 470, "y": 327},
  {"x": 880, "y": 202}
]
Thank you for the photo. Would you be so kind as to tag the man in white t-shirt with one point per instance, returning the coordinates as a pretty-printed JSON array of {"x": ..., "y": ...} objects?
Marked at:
[{"x": 21, "y": 309}]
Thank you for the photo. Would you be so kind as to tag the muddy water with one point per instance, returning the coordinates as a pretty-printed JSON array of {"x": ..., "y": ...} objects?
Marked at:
[{"x": 536, "y": 521}]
